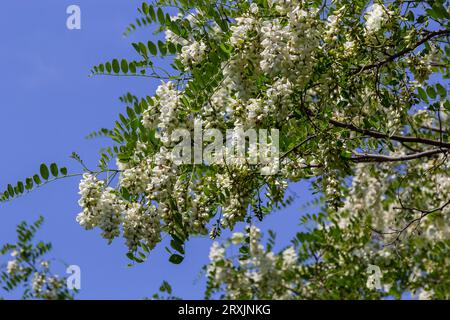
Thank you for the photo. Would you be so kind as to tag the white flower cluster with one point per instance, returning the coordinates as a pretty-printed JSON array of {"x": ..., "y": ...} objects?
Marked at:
[
  {"x": 283, "y": 49},
  {"x": 282, "y": 6},
  {"x": 237, "y": 238},
  {"x": 217, "y": 252},
  {"x": 288, "y": 49},
  {"x": 162, "y": 178},
  {"x": 240, "y": 32},
  {"x": 367, "y": 200},
  {"x": 136, "y": 178},
  {"x": 376, "y": 16},
  {"x": 141, "y": 224},
  {"x": 193, "y": 54},
  {"x": 38, "y": 282},
  {"x": 276, "y": 53},
  {"x": 104, "y": 209},
  {"x": 101, "y": 207},
  {"x": 263, "y": 273},
  {"x": 12, "y": 267},
  {"x": 426, "y": 295},
  {"x": 234, "y": 70},
  {"x": 236, "y": 203},
  {"x": 46, "y": 287},
  {"x": 169, "y": 105},
  {"x": 274, "y": 71},
  {"x": 332, "y": 25},
  {"x": 279, "y": 99}
]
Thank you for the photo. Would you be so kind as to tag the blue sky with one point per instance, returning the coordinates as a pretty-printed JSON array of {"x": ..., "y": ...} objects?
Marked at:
[{"x": 48, "y": 106}]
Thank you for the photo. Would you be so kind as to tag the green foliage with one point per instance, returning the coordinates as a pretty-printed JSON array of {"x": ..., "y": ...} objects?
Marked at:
[
  {"x": 27, "y": 265},
  {"x": 35, "y": 181},
  {"x": 165, "y": 292}
]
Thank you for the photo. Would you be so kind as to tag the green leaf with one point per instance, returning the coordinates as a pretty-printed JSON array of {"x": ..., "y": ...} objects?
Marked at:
[
  {"x": 101, "y": 67},
  {"x": 422, "y": 94},
  {"x": 145, "y": 7},
  {"x": 10, "y": 190},
  {"x": 151, "y": 12},
  {"x": 124, "y": 66},
  {"x": 44, "y": 171},
  {"x": 433, "y": 14},
  {"x": 143, "y": 49},
  {"x": 28, "y": 183},
  {"x": 224, "y": 48},
  {"x": 152, "y": 48},
  {"x": 162, "y": 47},
  {"x": 131, "y": 256},
  {"x": 54, "y": 169},
  {"x": 440, "y": 11},
  {"x": 161, "y": 17},
  {"x": 177, "y": 245},
  {"x": 115, "y": 66},
  {"x": 20, "y": 187},
  {"x": 165, "y": 287},
  {"x": 132, "y": 67},
  {"x": 441, "y": 90},
  {"x": 244, "y": 250},
  {"x": 108, "y": 67},
  {"x": 346, "y": 154},
  {"x": 37, "y": 179},
  {"x": 63, "y": 171},
  {"x": 176, "y": 259},
  {"x": 431, "y": 92},
  {"x": 172, "y": 48}
]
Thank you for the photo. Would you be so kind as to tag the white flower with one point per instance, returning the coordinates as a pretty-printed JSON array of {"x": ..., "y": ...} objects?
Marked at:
[
  {"x": 37, "y": 283},
  {"x": 289, "y": 257},
  {"x": 141, "y": 224},
  {"x": 276, "y": 55},
  {"x": 282, "y": 6},
  {"x": 254, "y": 8},
  {"x": 426, "y": 295},
  {"x": 193, "y": 54},
  {"x": 101, "y": 208},
  {"x": 239, "y": 32},
  {"x": 375, "y": 16},
  {"x": 217, "y": 252},
  {"x": 349, "y": 47},
  {"x": 168, "y": 98},
  {"x": 237, "y": 238},
  {"x": 332, "y": 26},
  {"x": 12, "y": 267}
]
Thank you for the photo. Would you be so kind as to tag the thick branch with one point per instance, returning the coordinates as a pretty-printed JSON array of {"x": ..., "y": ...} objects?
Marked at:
[
  {"x": 423, "y": 214},
  {"x": 435, "y": 129},
  {"x": 384, "y": 158},
  {"x": 380, "y": 135},
  {"x": 403, "y": 52}
]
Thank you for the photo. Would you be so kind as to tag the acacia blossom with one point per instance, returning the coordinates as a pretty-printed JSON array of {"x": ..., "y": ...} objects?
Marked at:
[{"x": 376, "y": 15}]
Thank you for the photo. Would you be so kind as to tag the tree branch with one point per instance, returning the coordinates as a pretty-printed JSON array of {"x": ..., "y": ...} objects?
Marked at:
[
  {"x": 380, "y": 135},
  {"x": 384, "y": 158},
  {"x": 298, "y": 146},
  {"x": 403, "y": 52}
]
